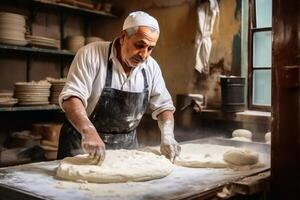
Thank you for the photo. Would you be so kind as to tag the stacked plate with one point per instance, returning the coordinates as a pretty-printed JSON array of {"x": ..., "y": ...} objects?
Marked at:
[
  {"x": 6, "y": 94},
  {"x": 6, "y": 99},
  {"x": 44, "y": 42},
  {"x": 32, "y": 93},
  {"x": 56, "y": 88},
  {"x": 12, "y": 29}
]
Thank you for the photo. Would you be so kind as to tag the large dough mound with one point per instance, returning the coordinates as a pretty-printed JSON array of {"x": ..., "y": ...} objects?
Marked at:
[
  {"x": 118, "y": 166},
  {"x": 241, "y": 157}
]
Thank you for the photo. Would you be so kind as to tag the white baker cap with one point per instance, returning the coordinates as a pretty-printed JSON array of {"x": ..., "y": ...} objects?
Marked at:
[{"x": 140, "y": 18}]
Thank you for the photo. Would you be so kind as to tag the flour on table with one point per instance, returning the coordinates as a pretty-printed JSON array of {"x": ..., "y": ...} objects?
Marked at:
[
  {"x": 118, "y": 166},
  {"x": 208, "y": 156},
  {"x": 243, "y": 139},
  {"x": 202, "y": 155}
]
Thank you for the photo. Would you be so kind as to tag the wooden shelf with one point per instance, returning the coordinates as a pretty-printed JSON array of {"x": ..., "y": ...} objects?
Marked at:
[
  {"x": 63, "y": 6},
  {"x": 33, "y": 6},
  {"x": 75, "y": 8},
  {"x": 29, "y": 108},
  {"x": 36, "y": 50}
]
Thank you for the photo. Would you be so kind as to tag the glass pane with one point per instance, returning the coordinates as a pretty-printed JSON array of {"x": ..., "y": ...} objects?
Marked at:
[
  {"x": 263, "y": 13},
  {"x": 262, "y": 49},
  {"x": 262, "y": 87}
]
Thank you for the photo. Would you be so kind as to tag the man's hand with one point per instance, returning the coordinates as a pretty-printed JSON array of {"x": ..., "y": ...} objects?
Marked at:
[
  {"x": 169, "y": 148},
  {"x": 92, "y": 144}
]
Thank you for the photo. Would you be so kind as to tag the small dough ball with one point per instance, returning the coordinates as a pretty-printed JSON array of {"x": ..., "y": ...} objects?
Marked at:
[
  {"x": 241, "y": 157},
  {"x": 242, "y": 133},
  {"x": 268, "y": 137},
  {"x": 243, "y": 139}
]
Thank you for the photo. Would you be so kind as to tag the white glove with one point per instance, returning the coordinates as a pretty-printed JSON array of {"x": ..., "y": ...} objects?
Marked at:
[{"x": 168, "y": 146}]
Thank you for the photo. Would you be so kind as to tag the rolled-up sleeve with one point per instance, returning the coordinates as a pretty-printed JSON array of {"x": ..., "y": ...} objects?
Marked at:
[
  {"x": 160, "y": 98},
  {"x": 79, "y": 80}
]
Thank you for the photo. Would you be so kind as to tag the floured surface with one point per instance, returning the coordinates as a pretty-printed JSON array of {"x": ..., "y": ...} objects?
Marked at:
[
  {"x": 118, "y": 166},
  {"x": 243, "y": 139},
  {"x": 206, "y": 156},
  {"x": 39, "y": 180},
  {"x": 202, "y": 155}
]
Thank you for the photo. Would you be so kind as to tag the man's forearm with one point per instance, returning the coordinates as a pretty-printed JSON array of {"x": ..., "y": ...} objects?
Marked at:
[
  {"x": 165, "y": 122},
  {"x": 168, "y": 146},
  {"x": 165, "y": 116},
  {"x": 77, "y": 116},
  {"x": 91, "y": 142}
]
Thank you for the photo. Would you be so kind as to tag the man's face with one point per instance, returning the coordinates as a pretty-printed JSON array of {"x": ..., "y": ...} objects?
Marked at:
[{"x": 135, "y": 49}]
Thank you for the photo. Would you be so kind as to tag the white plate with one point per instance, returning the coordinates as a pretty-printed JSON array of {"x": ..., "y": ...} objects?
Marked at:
[
  {"x": 34, "y": 103},
  {"x": 13, "y": 22},
  {"x": 12, "y": 29},
  {"x": 13, "y": 41},
  {"x": 12, "y": 15},
  {"x": 41, "y": 39},
  {"x": 12, "y": 35},
  {"x": 6, "y": 93},
  {"x": 7, "y": 104}
]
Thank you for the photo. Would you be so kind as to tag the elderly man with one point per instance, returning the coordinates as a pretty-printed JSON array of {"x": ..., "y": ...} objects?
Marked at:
[{"x": 108, "y": 88}]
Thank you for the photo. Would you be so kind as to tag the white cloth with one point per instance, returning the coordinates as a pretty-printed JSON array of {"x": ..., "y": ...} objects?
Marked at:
[
  {"x": 86, "y": 79},
  {"x": 208, "y": 13},
  {"x": 140, "y": 18}
]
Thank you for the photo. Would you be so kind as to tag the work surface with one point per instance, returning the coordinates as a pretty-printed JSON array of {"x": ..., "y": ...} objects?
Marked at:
[{"x": 37, "y": 181}]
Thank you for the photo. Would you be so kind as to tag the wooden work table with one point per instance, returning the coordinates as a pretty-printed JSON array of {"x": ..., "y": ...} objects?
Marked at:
[{"x": 37, "y": 181}]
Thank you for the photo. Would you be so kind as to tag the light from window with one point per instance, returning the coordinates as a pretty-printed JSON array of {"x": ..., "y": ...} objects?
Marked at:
[
  {"x": 263, "y": 13},
  {"x": 262, "y": 49},
  {"x": 262, "y": 87}
]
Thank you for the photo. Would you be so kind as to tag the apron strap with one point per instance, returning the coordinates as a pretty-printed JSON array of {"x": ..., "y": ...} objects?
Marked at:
[
  {"x": 109, "y": 68},
  {"x": 145, "y": 79}
]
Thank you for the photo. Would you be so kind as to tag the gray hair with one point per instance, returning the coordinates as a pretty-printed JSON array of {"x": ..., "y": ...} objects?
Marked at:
[{"x": 133, "y": 30}]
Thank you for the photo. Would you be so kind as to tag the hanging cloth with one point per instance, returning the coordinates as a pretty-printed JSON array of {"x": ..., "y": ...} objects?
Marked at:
[{"x": 208, "y": 14}]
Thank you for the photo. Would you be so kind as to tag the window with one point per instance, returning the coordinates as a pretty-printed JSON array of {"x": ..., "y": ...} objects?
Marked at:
[{"x": 260, "y": 54}]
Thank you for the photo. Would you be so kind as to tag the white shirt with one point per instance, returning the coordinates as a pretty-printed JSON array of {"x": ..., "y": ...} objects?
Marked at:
[{"x": 87, "y": 74}]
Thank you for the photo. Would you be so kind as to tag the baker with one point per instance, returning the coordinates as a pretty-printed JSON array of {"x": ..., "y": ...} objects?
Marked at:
[{"x": 108, "y": 88}]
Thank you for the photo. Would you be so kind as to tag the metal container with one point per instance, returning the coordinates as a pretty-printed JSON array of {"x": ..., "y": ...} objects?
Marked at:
[{"x": 233, "y": 94}]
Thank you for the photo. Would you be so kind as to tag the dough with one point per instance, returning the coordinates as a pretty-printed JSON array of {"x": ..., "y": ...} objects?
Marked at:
[
  {"x": 241, "y": 157},
  {"x": 118, "y": 166},
  {"x": 208, "y": 156},
  {"x": 268, "y": 137},
  {"x": 242, "y": 133}
]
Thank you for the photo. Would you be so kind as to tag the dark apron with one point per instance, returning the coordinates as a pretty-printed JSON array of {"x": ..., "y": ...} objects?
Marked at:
[{"x": 116, "y": 117}]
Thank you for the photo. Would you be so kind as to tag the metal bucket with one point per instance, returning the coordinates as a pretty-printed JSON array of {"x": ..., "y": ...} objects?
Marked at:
[{"x": 233, "y": 94}]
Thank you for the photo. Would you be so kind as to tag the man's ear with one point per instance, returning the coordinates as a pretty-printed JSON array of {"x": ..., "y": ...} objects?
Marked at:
[{"x": 122, "y": 37}]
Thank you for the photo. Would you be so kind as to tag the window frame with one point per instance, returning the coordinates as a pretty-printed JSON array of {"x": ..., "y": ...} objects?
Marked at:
[{"x": 251, "y": 31}]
